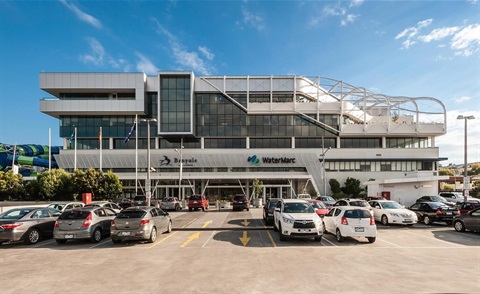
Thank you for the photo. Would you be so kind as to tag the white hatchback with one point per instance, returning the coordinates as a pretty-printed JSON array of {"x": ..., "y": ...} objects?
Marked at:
[
  {"x": 350, "y": 221},
  {"x": 390, "y": 212}
]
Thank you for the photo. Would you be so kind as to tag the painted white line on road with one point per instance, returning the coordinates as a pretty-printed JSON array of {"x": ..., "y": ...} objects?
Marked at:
[
  {"x": 96, "y": 245},
  {"x": 211, "y": 235},
  {"x": 436, "y": 239},
  {"x": 158, "y": 242},
  {"x": 395, "y": 245},
  {"x": 42, "y": 243},
  {"x": 323, "y": 239}
]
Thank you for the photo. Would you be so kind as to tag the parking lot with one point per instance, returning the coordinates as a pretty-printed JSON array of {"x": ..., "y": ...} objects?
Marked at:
[{"x": 234, "y": 252}]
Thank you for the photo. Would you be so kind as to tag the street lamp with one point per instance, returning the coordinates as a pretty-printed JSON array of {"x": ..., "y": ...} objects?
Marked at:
[
  {"x": 323, "y": 171},
  {"x": 466, "y": 181},
  {"x": 148, "y": 184},
  {"x": 179, "y": 151}
]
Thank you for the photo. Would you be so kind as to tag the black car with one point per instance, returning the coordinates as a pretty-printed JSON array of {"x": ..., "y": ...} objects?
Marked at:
[
  {"x": 268, "y": 210},
  {"x": 469, "y": 221},
  {"x": 139, "y": 200},
  {"x": 429, "y": 212},
  {"x": 123, "y": 202},
  {"x": 240, "y": 202}
]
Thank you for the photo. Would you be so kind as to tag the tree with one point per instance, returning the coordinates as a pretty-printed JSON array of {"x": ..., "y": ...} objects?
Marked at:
[
  {"x": 11, "y": 186},
  {"x": 335, "y": 187},
  {"x": 446, "y": 172},
  {"x": 111, "y": 186},
  {"x": 89, "y": 182},
  {"x": 55, "y": 184},
  {"x": 352, "y": 187},
  {"x": 474, "y": 170},
  {"x": 257, "y": 187}
]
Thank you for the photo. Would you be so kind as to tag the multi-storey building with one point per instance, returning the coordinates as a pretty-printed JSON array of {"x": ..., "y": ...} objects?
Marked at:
[{"x": 216, "y": 134}]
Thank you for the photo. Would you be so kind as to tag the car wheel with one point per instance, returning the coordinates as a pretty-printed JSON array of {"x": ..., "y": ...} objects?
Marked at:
[
  {"x": 178, "y": 208},
  {"x": 371, "y": 239},
  {"x": 203, "y": 208},
  {"x": 33, "y": 236},
  {"x": 116, "y": 241},
  {"x": 282, "y": 236},
  {"x": 459, "y": 227},
  {"x": 189, "y": 209},
  {"x": 384, "y": 220},
  {"x": 153, "y": 235},
  {"x": 449, "y": 223},
  {"x": 169, "y": 227},
  {"x": 61, "y": 241},
  {"x": 324, "y": 228},
  {"x": 275, "y": 226},
  {"x": 96, "y": 235},
  {"x": 339, "y": 236},
  {"x": 318, "y": 238},
  {"x": 426, "y": 220}
]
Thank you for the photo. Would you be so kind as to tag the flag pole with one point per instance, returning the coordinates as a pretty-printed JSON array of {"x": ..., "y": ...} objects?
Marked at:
[
  {"x": 136, "y": 157},
  {"x": 100, "y": 140},
  {"x": 75, "y": 152},
  {"x": 49, "y": 149}
]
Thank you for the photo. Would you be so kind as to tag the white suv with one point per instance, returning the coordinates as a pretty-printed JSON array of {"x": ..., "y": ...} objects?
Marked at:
[
  {"x": 296, "y": 218},
  {"x": 350, "y": 221}
]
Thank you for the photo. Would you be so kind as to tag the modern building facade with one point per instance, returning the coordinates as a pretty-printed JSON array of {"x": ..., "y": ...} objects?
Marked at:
[{"x": 216, "y": 134}]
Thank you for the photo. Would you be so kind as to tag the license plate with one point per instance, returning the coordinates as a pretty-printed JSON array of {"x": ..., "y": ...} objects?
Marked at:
[
  {"x": 449, "y": 213},
  {"x": 68, "y": 236},
  {"x": 124, "y": 234},
  {"x": 359, "y": 229}
]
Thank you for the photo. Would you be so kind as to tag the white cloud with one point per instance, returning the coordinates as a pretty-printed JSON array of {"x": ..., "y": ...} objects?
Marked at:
[
  {"x": 97, "y": 54},
  {"x": 473, "y": 2},
  {"x": 438, "y": 34},
  {"x": 349, "y": 19},
  {"x": 145, "y": 65},
  {"x": 187, "y": 60},
  {"x": 467, "y": 40},
  {"x": 411, "y": 32},
  {"x": 462, "y": 99},
  {"x": 82, "y": 15},
  {"x": 252, "y": 19},
  {"x": 355, "y": 3}
]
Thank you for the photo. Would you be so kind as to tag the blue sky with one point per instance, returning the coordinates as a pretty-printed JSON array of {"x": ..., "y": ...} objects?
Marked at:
[{"x": 398, "y": 48}]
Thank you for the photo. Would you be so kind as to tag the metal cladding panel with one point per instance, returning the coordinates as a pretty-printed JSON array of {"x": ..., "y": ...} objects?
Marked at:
[
  {"x": 283, "y": 84},
  {"x": 236, "y": 85}
]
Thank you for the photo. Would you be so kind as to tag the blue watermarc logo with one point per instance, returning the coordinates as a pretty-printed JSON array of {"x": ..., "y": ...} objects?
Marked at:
[{"x": 254, "y": 160}]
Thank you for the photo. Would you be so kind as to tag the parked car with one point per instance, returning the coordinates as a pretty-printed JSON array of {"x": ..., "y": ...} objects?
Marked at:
[
  {"x": 171, "y": 203},
  {"x": 329, "y": 201},
  {"x": 469, "y": 221},
  {"x": 89, "y": 222},
  {"x": 435, "y": 199},
  {"x": 319, "y": 207},
  {"x": 430, "y": 212},
  {"x": 296, "y": 218},
  {"x": 370, "y": 198},
  {"x": 268, "y": 210},
  {"x": 304, "y": 196},
  {"x": 140, "y": 223},
  {"x": 354, "y": 202},
  {"x": 65, "y": 205},
  {"x": 240, "y": 202},
  {"x": 465, "y": 207},
  {"x": 391, "y": 212},
  {"x": 350, "y": 221},
  {"x": 139, "y": 200},
  {"x": 197, "y": 201},
  {"x": 105, "y": 204},
  {"x": 456, "y": 197},
  {"x": 123, "y": 202},
  {"x": 28, "y": 224}
]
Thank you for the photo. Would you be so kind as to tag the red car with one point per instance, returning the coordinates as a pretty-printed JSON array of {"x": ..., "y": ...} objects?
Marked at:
[
  {"x": 320, "y": 207},
  {"x": 465, "y": 207}
]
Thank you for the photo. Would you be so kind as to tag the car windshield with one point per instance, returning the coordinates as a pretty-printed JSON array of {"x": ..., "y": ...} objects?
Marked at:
[
  {"x": 272, "y": 204},
  {"x": 391, "y": 205},
  {"x": 298, "y": 207},
  {"x": 56, "y": 206},
  {"x": 74, "y": 214},
  {"x": 137, "y": 198},
  {"x": 131, "y": 214},
  {"x": 436, "y": 205},
  {"x": 15, "y": 213},
  {"x": 170, "y": 199},
  {"x": 318, "y": 204},
  {"x": 327, "y": 198},
  {"x": 438, "y": 198},
  {"x": 195, "y": 197},
  {"x": 357, "y": 213},
  {"x": 359, "y": 203}
]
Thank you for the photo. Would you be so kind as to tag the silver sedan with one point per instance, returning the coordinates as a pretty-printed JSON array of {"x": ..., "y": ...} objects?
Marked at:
[{"x": 140, "y": 223}]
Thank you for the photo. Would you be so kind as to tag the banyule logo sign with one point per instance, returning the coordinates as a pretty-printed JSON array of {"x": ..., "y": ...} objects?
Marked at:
[{"x": 270, "y": 159}]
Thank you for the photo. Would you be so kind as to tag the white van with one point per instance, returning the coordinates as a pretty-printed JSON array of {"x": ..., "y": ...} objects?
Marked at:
[{"x": 304, "y": 196}]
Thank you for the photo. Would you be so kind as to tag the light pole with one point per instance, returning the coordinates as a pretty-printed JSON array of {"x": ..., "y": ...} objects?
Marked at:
[
  {"x": 148, "y": 184},
  {"x": 466, "y": 181},
  {"x": 323, "y": 171},
  {"x": 179, "y": 151}
]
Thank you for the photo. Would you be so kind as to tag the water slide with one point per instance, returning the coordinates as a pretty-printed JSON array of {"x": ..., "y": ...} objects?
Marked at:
[{"x": 27, "y": 155}]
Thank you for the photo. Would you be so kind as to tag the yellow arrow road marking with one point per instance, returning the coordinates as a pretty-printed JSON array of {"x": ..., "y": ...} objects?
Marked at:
[
  {"x": 190, "y": 238},
  {"x": 205, "y": 224},
  {"x": 244, "y": 238},
  {"x": 245, "y": 223}
]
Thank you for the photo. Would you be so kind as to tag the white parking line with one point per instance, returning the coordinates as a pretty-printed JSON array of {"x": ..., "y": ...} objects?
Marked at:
[
  {"x": 323, "y": 239},
  {"x": 395, "y": 245},
  {"x": 211, "y": 235},
  {"x": 43, "y": 243},
  {"x": 96, "y": 245}
]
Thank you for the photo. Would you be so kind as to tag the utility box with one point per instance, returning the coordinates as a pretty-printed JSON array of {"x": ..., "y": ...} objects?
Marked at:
[{"x": 87, "y": 198}]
